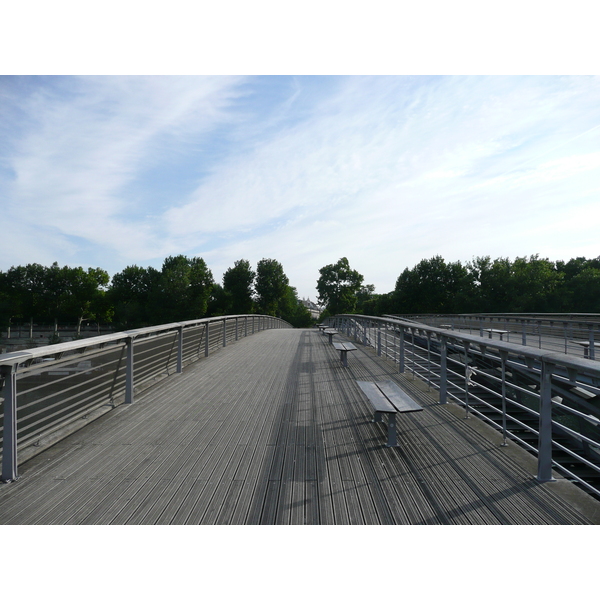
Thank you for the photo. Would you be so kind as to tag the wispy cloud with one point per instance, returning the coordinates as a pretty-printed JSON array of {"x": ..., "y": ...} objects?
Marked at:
[{"x": 383, "y": 170}]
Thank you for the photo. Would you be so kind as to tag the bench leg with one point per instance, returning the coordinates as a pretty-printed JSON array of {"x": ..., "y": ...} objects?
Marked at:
[
  {"x": 392, "y": 441},
  {"x": 344, "y": 357}
]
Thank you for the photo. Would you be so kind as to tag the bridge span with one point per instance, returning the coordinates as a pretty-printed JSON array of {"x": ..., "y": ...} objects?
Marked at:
[{"x": 273, "y": 429}]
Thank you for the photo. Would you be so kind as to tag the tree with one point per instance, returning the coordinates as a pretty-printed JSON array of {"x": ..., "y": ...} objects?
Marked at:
[
  {"x": 84, "y": 292},
  {"x": 182, "y": 291},
  {"x": 338, "y": 286},
  {"x": 130, "y": 292},
  {"x": 271, "y": 287},
  {"x": 293, "y": 311},
  {"x": 237, "y": 286}
]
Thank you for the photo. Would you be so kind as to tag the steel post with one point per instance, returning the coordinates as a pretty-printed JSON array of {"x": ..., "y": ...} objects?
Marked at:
[
  {"x": 129, "y": 372},
  {"x": 180, "y": 350},
  {"x": 443, "y": 370},
  {"x": 9, "y": 441},
  {"x": 401, "y": 352},
  {"x": 545, "y": 428}
]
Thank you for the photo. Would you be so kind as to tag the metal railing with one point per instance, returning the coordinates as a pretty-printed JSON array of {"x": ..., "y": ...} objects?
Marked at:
[
  {"x": 47, "y": 392},
  {"x": 577, "y": 333},
  {"x": 548, "y": 402}
]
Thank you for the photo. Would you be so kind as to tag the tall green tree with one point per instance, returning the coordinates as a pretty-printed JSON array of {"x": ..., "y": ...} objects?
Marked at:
[
  {"x": 237, "y": 286},
  {"x": 84, "y": 293},
  {"x": 183, "y": 290},
  {"x": 338, "y": 287},
  {"x": 271, "y": 286},
  {"x": 293, "y": 311}
]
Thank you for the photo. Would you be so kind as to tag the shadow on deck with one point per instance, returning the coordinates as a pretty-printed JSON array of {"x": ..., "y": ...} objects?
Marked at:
[{"x": 274, "y": 430}]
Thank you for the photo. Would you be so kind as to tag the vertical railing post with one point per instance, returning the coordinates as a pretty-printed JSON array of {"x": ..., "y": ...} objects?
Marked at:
[
  {"x": 180, "y": 350},
  {"x": 224, "y": 333},
  {"x": 129, "y": 371},
  {"x": 379, "y": 342},
  {"x": 401, "y": 352},
  {"x": 545, "y": 428},
  {"x": 206, "y": 338},
  {"x": 236, "y": 329},
  {"x": 9, "y": 441},
  {"x": 428, "y": 360},
  {"x": 245, "y": 326},
  {"x": 503, "y": 358},
  {"x": 466, "y": 346},
  {"x": 591, "y": 354},
  {"x": 443, "y": 370}
]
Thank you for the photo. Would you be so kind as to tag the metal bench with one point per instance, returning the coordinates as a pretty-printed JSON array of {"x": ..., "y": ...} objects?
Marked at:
[
  {"x": 330, "y": 333},
  {"x": 344, "y": 348},
  {"x": 387, "y": 397}
]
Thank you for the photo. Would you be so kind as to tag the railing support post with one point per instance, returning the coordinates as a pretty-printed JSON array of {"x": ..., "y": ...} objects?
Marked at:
[
  {"x": 206, "y": 339},
  {"x": 379, "y": 343},
  {"x": 401, "y": 352},
  {"x": 443, "y": 370},
  {"x": 180, "y": 350},
  {"x": 224, "y": 333},
  {"x": 9, "y": 442},
  {"x": 504, "y": 358},
  {"x": 466, "y": 346},
  {"x": 129, "y": 372},
  {"x": 545, "y": 428}
]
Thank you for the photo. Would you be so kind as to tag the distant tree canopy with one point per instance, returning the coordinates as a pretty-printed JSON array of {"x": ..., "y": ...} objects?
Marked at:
[
  {"x": 53, "y": 293},
  {"x": 237, "y": 287},
  {"x": 184, "y": 289},
  {"x": 525, "y": 285},
  {"x": 338, "y": 287}
]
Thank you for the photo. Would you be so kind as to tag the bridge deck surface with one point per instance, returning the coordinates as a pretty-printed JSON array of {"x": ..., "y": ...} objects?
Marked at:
[{"x": 274, "y": 430}]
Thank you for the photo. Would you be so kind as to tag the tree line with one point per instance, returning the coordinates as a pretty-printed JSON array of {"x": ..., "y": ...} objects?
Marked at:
[
  {"x": 525, "y": 285},
  {"x": 183, "y": 289}
]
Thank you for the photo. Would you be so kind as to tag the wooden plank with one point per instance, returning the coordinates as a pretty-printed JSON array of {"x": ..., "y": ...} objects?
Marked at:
[
  {"x": 376, "y": 397},
  {"x": 398, "y": 397}
]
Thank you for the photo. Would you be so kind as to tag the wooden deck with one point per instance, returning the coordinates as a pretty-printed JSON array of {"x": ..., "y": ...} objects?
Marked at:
[{"x": 274, "y": 430}]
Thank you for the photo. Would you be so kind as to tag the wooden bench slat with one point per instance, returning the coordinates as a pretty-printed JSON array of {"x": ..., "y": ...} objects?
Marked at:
[
  {"x": 376, "y": 397},
  {"x": 398, "y": 397}
]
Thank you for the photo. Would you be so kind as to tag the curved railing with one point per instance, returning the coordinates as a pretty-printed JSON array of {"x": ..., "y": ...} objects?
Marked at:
[
  {"x": 48, "y": 392},
  {"x": 568, "y": 333},
  {"x": 547, "y": 401}
]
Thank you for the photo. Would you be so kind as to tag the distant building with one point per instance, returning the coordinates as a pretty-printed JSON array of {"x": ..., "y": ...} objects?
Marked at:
[{"x": 313, "y": 309}]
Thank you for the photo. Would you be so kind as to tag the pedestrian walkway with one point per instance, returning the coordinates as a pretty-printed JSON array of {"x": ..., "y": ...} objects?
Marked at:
[{"x": 273, "y": 429}]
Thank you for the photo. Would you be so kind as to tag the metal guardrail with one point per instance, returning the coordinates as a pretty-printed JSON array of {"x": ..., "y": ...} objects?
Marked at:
[
  {"x": 576, "y": 333},
  {"x": 546, "y": 401},
  {"x": 44, "y": 391}
]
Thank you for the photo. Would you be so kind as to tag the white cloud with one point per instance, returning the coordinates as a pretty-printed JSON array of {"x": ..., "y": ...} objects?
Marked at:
[{"x": 385, "y": 170}]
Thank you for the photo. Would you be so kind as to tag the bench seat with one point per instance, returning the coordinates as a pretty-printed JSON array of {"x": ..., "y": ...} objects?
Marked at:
[
  {"x": 387, "y": 397},
  {"x": 344, "y": 348}
]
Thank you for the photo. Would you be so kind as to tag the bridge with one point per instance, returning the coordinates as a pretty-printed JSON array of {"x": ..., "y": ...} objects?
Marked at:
[{"x": 244, "y": 420}]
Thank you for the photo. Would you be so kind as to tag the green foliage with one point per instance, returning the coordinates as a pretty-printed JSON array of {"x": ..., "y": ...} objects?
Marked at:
[
  {"x": 271, "y": 287},
  {"x": 338, "y": 287},
  {"x": 294, "y": 312},
  {"x": 237, "y": 287}
]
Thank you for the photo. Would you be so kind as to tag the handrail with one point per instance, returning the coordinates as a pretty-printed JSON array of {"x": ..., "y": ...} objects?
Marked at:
[
  {"x": 570, "y": 333},
  {"x": 50, "y": 389},
  {"x": 445, "y": 358}
]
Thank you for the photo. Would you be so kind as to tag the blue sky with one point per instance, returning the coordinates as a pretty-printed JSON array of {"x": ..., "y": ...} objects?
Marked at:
[{"x": 109, "y": 170}]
